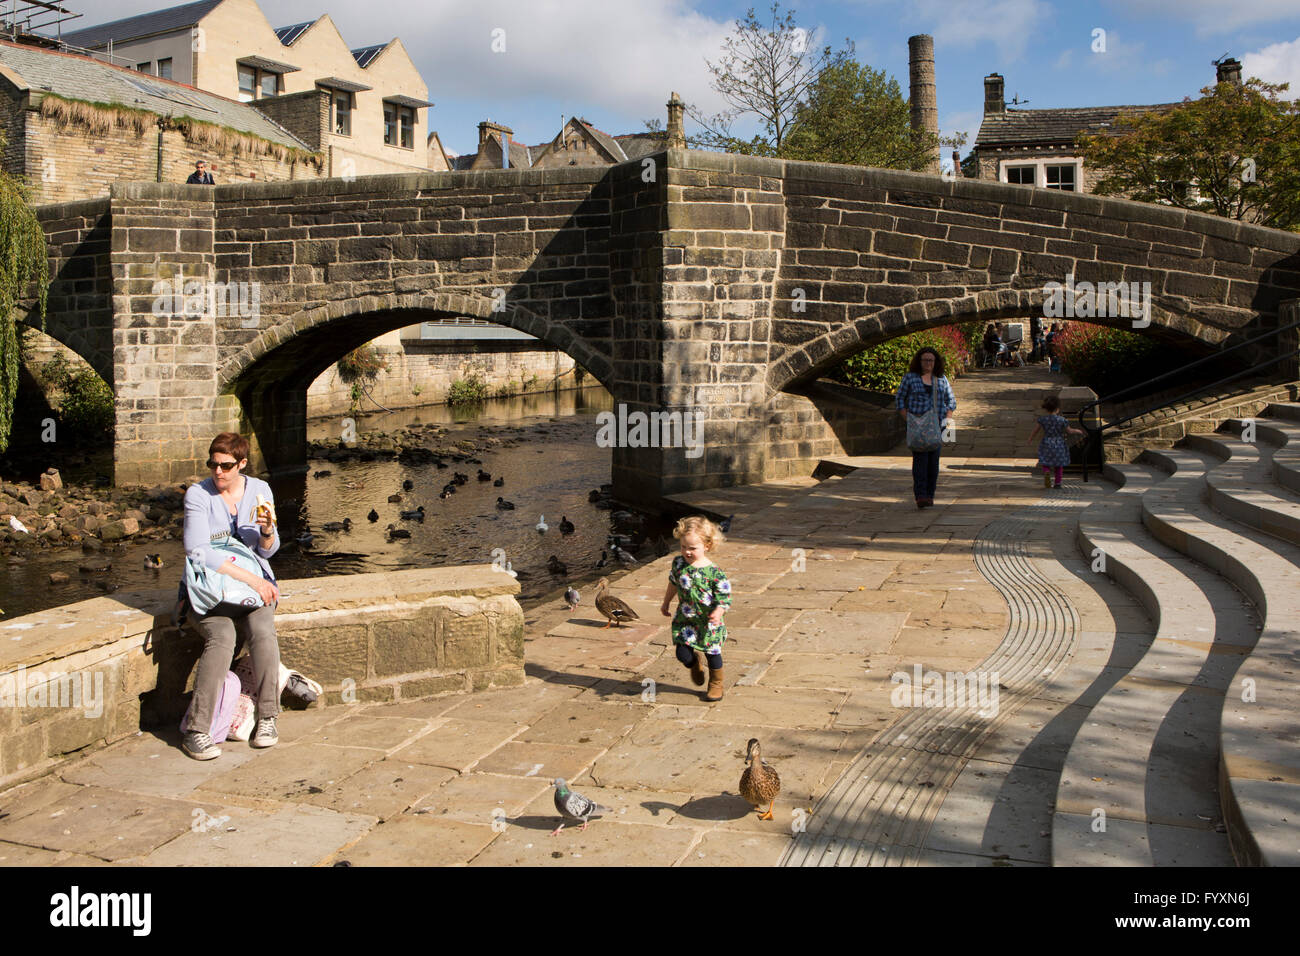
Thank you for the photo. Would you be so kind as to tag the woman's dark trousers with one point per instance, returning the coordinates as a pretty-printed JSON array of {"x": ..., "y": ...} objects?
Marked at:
[{"x": 925, "y": 473}]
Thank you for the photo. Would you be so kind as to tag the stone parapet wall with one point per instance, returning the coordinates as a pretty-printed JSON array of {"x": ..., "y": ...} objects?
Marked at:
[{"x": 96, "y": 671}]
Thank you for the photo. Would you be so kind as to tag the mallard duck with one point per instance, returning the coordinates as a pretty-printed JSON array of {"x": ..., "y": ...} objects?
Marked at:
[
  {"x": 373, "y": 516},
  {"x": 759, "y": 784},
  {"x": 444, "y": 494},
  {"x": 615, "y": 609},
  {"x": 416, "y": 515},
  {"x": 460, "y": 479},
  {"x": 395, "y": 532},
  {"x": 566, "y": 526},
  {"x": 556, "y": 566},
  {"x": 483, "y": 475},
  {"x": 449, "y": 488},
  {"x": 408, "y": 484},
  {"x": 725, "y": 525},
  {"x": 499, "y": 483},
  {"x": 442, "y": 464},
  {"x": 305, "y": 539},
  {"x": 572, "y": 597},
  {"x": 323, "y": 473},
  {"x": 604, "y": 560},
  {"x": 623, "y": 556},
  {"x": 394, "y": 499},
  {"x": 344, "y": 525},
  {"x": 593, "y": 496},
  {"x": 504, "y": 505},
  {"x": 153, "y": 562}
]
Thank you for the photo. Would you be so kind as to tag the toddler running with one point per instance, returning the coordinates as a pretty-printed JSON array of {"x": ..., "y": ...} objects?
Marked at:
[{"x": 704, "y": 594}]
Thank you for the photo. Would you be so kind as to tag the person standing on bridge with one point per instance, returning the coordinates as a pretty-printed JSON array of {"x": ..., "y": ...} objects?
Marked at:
[
  {"x": 200, "y": 176},
  {"x": 231, "y": 505},
  {"x": 925, "y": 400}
]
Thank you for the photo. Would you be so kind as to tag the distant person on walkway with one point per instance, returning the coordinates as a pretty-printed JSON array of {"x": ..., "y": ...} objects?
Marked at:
[
  {"x": 1053, "y": 359},
  {"x": 1053, "y": 453},
  {"x": 200, "y": 176},
  {"x": 703, "y": 596},
  {"x": 925, "y": 401},
  {"x": 226, "y": 505},
  {"x": 992, "y": 344},
  {"x": 1036, "y": 337}
]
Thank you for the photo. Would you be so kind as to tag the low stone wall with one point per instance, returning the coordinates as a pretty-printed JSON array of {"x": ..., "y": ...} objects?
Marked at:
[
  {"x": 86, "y": 674},
  {"x": 422, "y": 373}
]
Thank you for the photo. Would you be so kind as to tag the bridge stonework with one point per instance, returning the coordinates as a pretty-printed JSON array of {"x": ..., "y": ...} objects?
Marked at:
[{"x": 720, "y": 285}]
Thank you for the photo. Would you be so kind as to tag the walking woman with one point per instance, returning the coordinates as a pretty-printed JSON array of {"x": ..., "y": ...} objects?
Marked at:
[
  {"x": 227, "y": 504},
  {"x": 925, "y": 400}
]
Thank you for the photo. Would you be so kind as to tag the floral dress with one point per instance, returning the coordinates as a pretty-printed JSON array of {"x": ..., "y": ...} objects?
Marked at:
[
  {"x": 1052, "y": 450},
  {"x": 699, "y": 590}
]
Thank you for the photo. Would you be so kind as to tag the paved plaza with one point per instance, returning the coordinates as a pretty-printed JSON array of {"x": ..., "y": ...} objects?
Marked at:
[{"x": 839, "y": 585}]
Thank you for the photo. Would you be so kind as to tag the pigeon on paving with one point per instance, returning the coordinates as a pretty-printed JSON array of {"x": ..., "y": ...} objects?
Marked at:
[
  {"x": 574, "y": 807},
  {"x": 572, "y": 597}
]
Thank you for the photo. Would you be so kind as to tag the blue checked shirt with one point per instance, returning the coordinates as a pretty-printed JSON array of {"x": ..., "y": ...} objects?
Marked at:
[{"x": 914, "y": 395}]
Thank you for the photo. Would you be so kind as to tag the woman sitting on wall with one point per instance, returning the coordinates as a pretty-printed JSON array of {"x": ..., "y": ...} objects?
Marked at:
[{"x": 231, "y": 505}]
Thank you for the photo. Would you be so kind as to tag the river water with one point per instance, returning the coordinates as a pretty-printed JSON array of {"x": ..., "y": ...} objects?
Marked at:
[{"x": 546, "y": 453}]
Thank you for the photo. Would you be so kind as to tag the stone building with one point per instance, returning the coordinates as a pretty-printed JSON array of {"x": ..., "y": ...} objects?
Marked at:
[
  {"x": 362, "y": 108},
  {"x": 74, "y": 125},
  {"x": 1037, "y": 147}
]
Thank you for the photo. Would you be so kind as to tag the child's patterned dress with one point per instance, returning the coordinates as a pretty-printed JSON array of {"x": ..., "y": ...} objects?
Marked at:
[
  {"x": 1053, "y": 452},
  {"x": 699, "y": 590}
]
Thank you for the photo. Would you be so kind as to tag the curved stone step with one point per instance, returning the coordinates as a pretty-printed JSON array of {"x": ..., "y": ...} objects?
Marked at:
[
  {"x": 1137, "y": 785},
  {"x": 1259, "y": 773},
  {"x": 1285, "y": 434},
  {"x": 1242, "y": 487}
]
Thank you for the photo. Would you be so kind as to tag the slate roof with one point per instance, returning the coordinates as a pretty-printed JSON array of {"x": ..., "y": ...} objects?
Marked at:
[
  {"x": 1054, "y": 127},
  {"x": 609, "y": 143},
  {"x": 145, "y": 24},
  {"x": 636, "y": 145},
  {"x": 84, "y": 78}
]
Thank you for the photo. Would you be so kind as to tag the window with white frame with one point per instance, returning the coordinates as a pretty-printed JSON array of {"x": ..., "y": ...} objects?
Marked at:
[
  {"x": 1060, "y": 176},
  {"x": 247, "y": 84},
  {"x": 1058, "y": 172},
  {"x": 1022, "y": 175},
  {"x": 165, "y": 68}
]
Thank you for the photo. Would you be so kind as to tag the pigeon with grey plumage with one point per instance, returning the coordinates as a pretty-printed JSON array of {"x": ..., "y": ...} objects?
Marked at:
[{"x": 574, "y": 807}]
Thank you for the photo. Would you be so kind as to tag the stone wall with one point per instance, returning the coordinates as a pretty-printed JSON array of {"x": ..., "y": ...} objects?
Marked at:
[
  {"x": 422, "y": 373},
  {"x": 365, "y": 637},
  {"x": 305, "y": 114}
]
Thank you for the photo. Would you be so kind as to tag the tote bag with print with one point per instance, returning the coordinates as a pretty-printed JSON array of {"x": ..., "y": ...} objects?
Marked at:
[{"x": 923, "y": 431}]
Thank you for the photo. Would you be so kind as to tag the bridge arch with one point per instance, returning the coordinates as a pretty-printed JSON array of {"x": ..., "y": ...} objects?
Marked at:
[{"x": 813, "y": 359}]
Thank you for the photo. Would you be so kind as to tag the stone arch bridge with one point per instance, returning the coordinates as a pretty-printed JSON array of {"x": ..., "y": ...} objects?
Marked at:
[{"x": 715, "y": 284}]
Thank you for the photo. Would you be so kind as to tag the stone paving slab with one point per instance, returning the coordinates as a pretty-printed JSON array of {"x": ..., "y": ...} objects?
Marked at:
[
  {"x": 383, "y": 789},
  {"x": 417, "y": 841},
  {"x": 290, "y": 772},
  {"x": 458, "y": 743},
  {"x": 483, "y": 798},
  {"x": 293, "y": 836}
]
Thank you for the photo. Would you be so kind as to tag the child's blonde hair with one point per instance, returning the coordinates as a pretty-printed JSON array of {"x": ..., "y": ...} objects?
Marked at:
[{"x": 709, "y": 532}]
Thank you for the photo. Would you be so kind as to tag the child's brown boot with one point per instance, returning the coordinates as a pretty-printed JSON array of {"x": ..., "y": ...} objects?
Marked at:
[
  {"x": 697, "y": 671},
  {"x": 715, "y": 684}
]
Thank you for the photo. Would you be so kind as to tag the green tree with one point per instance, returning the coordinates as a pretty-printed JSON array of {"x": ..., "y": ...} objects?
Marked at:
[
  {"x": 1234, "y": 152},
  {"x": 764, "y": 73},
  {"x": 859, "y": 117},
  {"x": 22, "y": 260}
]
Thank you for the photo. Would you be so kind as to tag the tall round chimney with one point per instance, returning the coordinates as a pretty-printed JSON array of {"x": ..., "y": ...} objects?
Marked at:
[{"x": 925, "y": 110}]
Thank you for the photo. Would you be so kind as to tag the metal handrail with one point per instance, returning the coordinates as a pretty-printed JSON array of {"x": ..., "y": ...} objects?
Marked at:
[{"x": 1095, "y": 432}]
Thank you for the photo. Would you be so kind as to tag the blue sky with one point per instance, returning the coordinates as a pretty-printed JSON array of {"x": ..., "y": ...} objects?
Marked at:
[{"x": 616, "y": 61}]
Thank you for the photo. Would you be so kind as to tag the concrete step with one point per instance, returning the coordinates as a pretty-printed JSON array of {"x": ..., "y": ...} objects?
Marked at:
[
  {"x": 1259, "y": 769},
  {"x": 1242, "y": 487},
  {"x": 1285, "y": 434},
  {"x": 1136, "y": 788},
  {"x": 1289, "y": 411}
]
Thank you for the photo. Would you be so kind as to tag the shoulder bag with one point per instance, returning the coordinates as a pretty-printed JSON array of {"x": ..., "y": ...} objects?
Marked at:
[
  {"x": 923, "y": 431},
  {"x": 210, "y": 591}
]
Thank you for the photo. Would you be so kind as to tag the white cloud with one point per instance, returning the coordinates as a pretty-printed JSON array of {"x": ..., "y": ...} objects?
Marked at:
[
  {"x": 1065, "y": 60},
  {"x": 1213, "y": 16},
  {"x": 1011, "y": 25},
  {"x": 1278, "y": 63}
]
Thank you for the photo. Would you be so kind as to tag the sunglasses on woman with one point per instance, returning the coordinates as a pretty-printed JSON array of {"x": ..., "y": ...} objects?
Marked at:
[{"x": 223, "y": 465}]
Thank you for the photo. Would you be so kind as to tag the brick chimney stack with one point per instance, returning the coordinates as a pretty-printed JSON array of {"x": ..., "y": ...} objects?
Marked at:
[
  {"x": 676, "y": 129},
  {"x": 1229, "y": 71},
  {"x": 995, "y": 100},
  {"x": 925, "y": 110}
]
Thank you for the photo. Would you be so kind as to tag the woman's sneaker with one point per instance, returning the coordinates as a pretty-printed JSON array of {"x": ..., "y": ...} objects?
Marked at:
[
  {"x": 199, "y": 745},
  {"x": 265, "y": 735}
]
